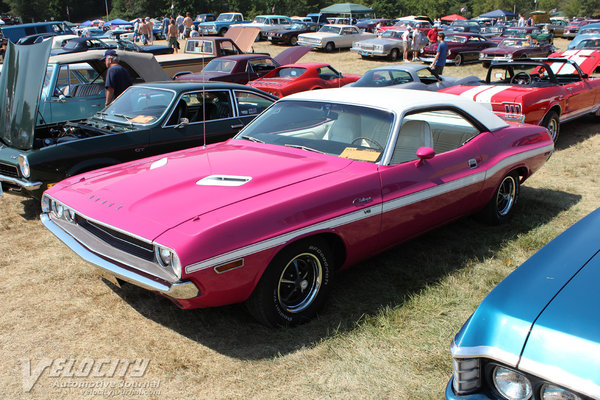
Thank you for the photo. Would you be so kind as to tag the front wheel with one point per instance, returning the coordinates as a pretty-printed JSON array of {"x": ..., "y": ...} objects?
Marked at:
[
  {"x": 294, "y": 40},
  {"x": 552, "y": 123},
  {"x": 502, "y": 205},
  {"x": 329, "y": 47},
  {"x": 294, "y": 285},
  {"x": 394, "y": 55},
  {"x": 223, "y": 31},
  {"x": 458, "y": 60}
]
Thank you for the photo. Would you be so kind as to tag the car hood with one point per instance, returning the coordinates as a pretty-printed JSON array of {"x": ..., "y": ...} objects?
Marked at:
[
  {"x": 382, "y": 41},
  {"x": 500, "y": 326},
  {"x": 564, "y": 344},
  {"x": 133, "y": 196},
  {"x": 21, "y": 83},
  {"x": 588, "y": 60}
]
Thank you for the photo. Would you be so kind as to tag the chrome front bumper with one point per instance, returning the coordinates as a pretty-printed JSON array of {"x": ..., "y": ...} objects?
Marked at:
[
  {"x": 21, "y": 183},
  {"x": 175, "y": 290}
]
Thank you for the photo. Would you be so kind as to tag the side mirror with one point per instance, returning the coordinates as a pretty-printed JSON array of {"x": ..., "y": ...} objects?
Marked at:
[
  {"x": 182, "y": 122},
  {"x": 424, "y": 153}
]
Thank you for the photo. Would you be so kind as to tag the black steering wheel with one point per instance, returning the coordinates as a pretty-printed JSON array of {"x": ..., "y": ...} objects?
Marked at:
[
  {"x": 369, "y": 140},
  {"x": 521, "y": 78}
]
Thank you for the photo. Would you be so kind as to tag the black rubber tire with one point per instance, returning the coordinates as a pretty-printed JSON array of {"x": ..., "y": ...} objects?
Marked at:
[
  {"x": 485, "y": 64},
  {"x": 394, "y": 55},
  {"x": 294, "y": 40},
  {"x": 294, "y": 286},
  {"x": 223, "y": 31},
  {"x": 501, "y": 206},
  {"x": 552, "y": 123},
  {"x": 458, "y": 61},
  {"x": 329, "y": 47}
]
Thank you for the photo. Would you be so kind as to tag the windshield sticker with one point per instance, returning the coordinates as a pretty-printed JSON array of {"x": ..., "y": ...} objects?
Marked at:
[
  {"x": 142, "y": 119},
  {"x": 360, "y": 154}
]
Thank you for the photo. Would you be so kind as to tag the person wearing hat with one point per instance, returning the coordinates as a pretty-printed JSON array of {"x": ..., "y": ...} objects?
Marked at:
[{"x": 117, "y": 77}]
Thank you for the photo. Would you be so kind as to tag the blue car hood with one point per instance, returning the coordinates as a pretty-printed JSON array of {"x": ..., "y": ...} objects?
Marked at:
[
  {"x": 500, "y": 326},
  {"x": 564, "y": 344}
]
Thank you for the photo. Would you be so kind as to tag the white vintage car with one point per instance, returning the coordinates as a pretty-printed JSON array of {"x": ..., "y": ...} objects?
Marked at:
[
  {"x": 330, "y": 37},
  {"x": 268, "y": 23}
]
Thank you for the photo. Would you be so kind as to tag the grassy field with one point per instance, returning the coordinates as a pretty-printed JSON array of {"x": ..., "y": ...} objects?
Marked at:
[{"x": 384, "y": 333}]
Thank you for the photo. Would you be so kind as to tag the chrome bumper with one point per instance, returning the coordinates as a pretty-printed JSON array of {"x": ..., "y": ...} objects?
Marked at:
[
  {"x": 175, "y": 290},
  {"x": 20, "y": 182},
  {"x": 369, "y": 53}
]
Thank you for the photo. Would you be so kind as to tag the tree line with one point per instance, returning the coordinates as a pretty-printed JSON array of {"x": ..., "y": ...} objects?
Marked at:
[{"x": 81, "y": 10}]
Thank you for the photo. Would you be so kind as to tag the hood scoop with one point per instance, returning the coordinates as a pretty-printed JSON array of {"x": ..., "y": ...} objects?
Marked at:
[{"x": 224, "y": 180}]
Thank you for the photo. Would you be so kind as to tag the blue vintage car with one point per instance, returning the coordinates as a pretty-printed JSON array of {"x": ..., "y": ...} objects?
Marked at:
[{"x": 536, "y": 335}]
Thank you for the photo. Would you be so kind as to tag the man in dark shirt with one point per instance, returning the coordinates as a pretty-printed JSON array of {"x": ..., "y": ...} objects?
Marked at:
[{"x": 117, "y": 77}]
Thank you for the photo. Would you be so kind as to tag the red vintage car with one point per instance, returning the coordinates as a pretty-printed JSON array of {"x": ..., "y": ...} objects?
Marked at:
[
  {"x": 293, "y": 78},
  {"x": 542, "y": 92},
  {"x": 462, "y": 47}
]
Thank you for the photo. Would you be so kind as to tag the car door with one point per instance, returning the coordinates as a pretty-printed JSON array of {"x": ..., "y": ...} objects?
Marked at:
[
  {"x": 196, "y": 118},
  {"x": 329, "y": 76},
  {"x": 421, "y": 194},
  {"x": 349, "y": 35},
  {"x": 78, "y": 93}
]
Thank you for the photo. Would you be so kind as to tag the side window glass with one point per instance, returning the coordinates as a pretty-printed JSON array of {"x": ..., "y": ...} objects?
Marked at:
[
  {"x": 251, "y": 103},
  {"x": 205, "y": 106},
  {"x": 442, "y": 130}
]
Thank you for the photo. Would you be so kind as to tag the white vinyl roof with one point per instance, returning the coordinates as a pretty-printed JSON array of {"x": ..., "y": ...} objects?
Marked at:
[{"x": 401, "y": 101}]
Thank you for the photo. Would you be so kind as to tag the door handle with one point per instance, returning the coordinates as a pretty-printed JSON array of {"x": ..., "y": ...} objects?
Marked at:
[
  {"x": 237, "y": 126},
  {"x": 139, "y": 149}
]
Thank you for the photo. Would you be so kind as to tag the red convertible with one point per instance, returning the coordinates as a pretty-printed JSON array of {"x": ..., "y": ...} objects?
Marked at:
[
  {"x": 544, "y": 92},
  {"x": 294, "y": 78}
]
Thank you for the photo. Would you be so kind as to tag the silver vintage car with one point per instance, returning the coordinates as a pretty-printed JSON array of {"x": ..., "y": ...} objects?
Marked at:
[{"x": 389, "y": 44}]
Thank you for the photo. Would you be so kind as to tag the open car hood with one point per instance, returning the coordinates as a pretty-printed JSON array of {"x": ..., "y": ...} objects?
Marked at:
[
  {"x": 291, "y": 55},
  {"x": 21, "y": 83},
  {"x": 243, "y": 36},
  {"x": 588, "y": 60}
]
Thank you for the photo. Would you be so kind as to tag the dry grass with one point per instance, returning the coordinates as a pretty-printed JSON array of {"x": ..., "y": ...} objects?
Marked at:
[{"x": 384, "y": 334}]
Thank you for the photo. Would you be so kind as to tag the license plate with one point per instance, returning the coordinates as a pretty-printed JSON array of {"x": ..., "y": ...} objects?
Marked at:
[
  {"x": 365, "y": 53},
  {"x": 109, "y": 277}
]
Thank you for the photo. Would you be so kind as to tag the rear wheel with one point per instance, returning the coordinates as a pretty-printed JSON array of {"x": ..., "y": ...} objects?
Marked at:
[
  {"x": 294, "y": 285},
  {"x": 394, "y": 54},
  {"x": 329, "y": 47},
  {"x": 502, "y": 205},
  {"x": 552, "y": 123}
]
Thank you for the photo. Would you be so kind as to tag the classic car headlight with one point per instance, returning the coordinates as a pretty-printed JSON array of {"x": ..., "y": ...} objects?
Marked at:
[
  {"x": 509, "y": 55},
  {"x": 466, "y": 375},
  {"x": 167, "y": 258},
  {"x": 24, "y": 166},
  {"x": 511, "y": 384},
  {"x": 551, "y": 392},
  {"x": 58, "y": 210}
]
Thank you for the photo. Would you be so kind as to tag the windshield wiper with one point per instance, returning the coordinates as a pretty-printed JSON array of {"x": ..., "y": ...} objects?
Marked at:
[
  {"x": 252, "y": 139},
  {"x": 125, "y": 117},
  {"x": 298, "y": 146}
]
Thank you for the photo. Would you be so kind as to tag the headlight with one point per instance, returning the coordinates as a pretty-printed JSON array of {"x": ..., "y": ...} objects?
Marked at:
[
  {"x": 58, "y": 209},
  {"x": 167, "y": 258},
  {"x": 551, "y": 392},
  {"x": 481, "y": 55},
  {"x": 24, "y": 166},
  {"x": 511, "y": 384},
  {"x": 509, "y": 56}
]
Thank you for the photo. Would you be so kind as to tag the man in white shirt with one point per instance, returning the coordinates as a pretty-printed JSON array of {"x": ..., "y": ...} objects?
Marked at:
[{"x": 406, "y": 36}]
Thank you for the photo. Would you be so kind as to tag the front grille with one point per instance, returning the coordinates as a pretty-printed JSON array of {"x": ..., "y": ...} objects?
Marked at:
[
  {"x": 9, "y": 170},
  {"x": 366, "y": 46},
  {"x": 121, "y": 241}
]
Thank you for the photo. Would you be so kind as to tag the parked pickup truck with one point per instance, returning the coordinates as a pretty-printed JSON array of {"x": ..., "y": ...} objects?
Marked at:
[{"x": 222, "y": 24}]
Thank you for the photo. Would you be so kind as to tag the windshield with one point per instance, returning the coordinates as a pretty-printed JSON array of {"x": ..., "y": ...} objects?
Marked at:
[
  {"x": 217, "y": 65},
  {"x": 299, "y": 26},
  {"x": 290, "y": 72},
  {"x": 138, "y": 105},
  {"x": 587, "y": 31},
  {"x": 589, "y": 44},
  {"x": 225, "y": 17},
  {"x": 514, "y": 42},
  {"x": 332, "y": 29},
  {"x": 348, "y": 131},
  {"x": 260, "y": 20},
  {"x": 392, "y": 34}
]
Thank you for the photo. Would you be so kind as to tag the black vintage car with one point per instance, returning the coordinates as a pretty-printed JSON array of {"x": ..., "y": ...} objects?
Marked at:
[
  {"x": 290, "y": 36},
  {"x": 145, "y": 120}
]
